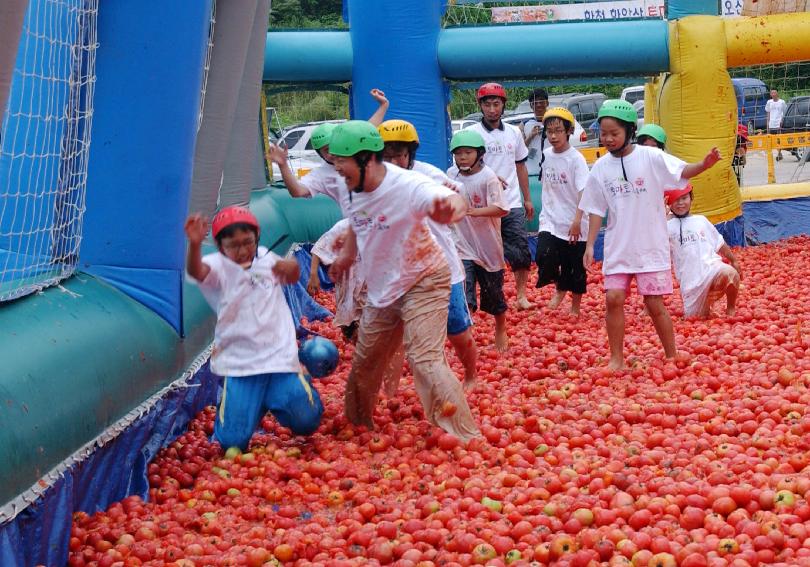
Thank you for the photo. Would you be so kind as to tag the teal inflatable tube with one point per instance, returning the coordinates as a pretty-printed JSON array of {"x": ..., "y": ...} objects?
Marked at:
[
  {"x": 555, "y": 50},
  {"x": 308, "y": 57},
  {"x": 76, "y": 360}
]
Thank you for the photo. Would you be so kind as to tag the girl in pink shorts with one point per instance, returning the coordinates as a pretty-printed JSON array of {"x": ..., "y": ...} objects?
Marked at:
[{"x": 629, "y": 182}]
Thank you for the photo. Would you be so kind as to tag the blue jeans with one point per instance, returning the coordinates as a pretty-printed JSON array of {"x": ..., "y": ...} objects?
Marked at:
[{"x": 290, "y": 397}]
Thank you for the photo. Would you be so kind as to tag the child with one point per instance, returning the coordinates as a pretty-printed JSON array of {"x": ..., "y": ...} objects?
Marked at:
[
  {"x": 562, "y": 230},
  {"x": 533, "y": 130},
  {"x": 697, "y": 248},
  {"x": 401, "y": 141},
  {"x": 652, "y": 135},
  {"x": 740, "y": 152},
  {"x": 629, "y": 183},
  {"x": 254, "y": 339},
  {"x": 407, "y": 279},
  {"x": 350, "y": 291},
  {"x": 478, "y": 235},
  {"x": 322, "y": 180},
  {"x": 507, "y": 155}
]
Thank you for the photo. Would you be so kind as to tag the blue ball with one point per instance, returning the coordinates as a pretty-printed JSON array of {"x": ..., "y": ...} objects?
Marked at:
[{"x": 319, "y": 356}]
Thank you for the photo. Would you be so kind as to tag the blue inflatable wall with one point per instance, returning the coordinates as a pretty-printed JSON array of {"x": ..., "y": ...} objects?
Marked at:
[
  {"x": 149, "y": 78},
  {"x": 402, "y": 61}
]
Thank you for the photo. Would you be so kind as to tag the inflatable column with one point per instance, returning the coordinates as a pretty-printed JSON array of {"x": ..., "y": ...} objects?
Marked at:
[
  {"x": 697, "y": 108},
  {"x": 395, "y": 49},
  {"x": 149, "y": 70}
]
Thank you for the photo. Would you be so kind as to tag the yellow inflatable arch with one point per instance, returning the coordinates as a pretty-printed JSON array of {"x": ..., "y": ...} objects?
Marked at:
[{"x": 695, "y": 102}]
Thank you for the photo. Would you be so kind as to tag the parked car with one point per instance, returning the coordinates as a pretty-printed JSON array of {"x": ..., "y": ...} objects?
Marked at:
[
  {"x": 633, "y": 94},
  {"x": 797, "y": 119},
  {"x": 639, "y": 106},
  {"x": 751, "y": 95},
  {"x": 578, "y": 139},
  {"x": 584, "y": 107},
  {"x": 297, "y": 140},
  {"x": 462, "y": 123}
]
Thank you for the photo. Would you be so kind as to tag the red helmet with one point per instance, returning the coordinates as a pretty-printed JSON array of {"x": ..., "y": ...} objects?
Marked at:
[
  {"x": 742, "y": 131},
  {"x": 490, "y": 89},
  {"x": 233, "y": 215},
  {"x": 673, "y": 195}
]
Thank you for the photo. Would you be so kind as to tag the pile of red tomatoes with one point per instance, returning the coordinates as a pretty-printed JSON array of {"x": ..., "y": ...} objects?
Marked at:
[{"x": 693, "y": 462}]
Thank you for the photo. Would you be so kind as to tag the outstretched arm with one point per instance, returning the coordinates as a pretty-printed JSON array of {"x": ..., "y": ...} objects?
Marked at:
[
  {"x": 379, "y": 115},
  {"x": 490, "y": 211},
  {"x": 278, "y": 155},
  {"x": 697, "y": 168},
  {"x": 196, "y": 228}
]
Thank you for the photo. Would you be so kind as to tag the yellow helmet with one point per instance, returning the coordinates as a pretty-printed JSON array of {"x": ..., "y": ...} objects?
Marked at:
[
  {"x": 398, "y": 131},
  {"x": 559, "y": 112}
]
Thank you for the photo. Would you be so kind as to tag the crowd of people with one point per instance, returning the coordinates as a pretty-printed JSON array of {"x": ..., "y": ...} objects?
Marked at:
[{"x": 419, "y": 249}]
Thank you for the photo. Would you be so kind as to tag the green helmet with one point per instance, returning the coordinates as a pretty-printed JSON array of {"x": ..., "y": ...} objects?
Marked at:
[
  {"x": 654, "y": 131},
  {"x": 354, "y": 136},
  {"x": 618, "y": 109},
  {"x": 322, "y": 134},
  {"x": 467, "y": 139}
]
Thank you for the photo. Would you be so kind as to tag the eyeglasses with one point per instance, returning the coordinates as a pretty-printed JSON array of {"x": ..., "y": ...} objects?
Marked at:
[
  {"x": 236, "y": 246},
  {"x": 538, "y": 103}
]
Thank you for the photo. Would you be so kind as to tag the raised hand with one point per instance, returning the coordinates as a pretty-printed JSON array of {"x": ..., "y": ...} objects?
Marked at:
[{"x": 196, "y": 228}]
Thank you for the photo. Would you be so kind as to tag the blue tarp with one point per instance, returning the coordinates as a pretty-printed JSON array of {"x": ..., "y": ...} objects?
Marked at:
[
  {"x": 40, "y": 534},
  {"x": 766, "y": 221}
]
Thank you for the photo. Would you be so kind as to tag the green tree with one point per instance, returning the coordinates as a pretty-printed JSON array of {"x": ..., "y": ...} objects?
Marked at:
[{"x": 304, "y": 14}]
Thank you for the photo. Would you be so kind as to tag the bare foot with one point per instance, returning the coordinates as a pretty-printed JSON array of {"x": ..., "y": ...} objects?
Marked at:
[
  {"x": 556, "y": 300},
  {"x": 501, "y": 341},
  {"x": 616, "y": 365},
  {"x": 731, "y": 311},
  {"x": 522, "y": 304},
  {"x": 575, "y": 311}
]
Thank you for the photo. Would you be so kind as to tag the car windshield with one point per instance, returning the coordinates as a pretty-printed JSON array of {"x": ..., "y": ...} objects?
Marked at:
[{"x": 633, "y": 96}]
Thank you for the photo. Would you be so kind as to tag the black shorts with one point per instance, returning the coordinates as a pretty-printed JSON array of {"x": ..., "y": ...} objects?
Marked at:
[
  {"x": 493, "y": 300},
  {"x": 560, "y": 262},
  {"x": 516, "y": 240}
]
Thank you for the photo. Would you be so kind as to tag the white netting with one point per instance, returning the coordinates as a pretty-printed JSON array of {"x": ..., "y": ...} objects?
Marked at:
[{"x": 44, "y": 145}]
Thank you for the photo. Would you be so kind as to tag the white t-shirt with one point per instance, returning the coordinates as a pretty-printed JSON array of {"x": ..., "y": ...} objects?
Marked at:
[
  {"x": 393, "y": 237},
  {"x": 636, "y": 238},
  {"x": 505, "y": 147},
  {"x": 325, "y": 180},
  {"x": 255, "y": 332},
  {"x": 564, "y": 178},
  {"x": 350, "y": 290},
  {"x": 324, "y": 248},
  {"x": 442, "y": 232},
  {"x": 776, "y": 110},
  {"x": 696, "y": 258},
  {"x": 535, "y": 149},
  {"x": 479, "y": 238}
]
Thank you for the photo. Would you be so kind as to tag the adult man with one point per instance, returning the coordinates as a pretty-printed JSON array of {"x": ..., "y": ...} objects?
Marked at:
[
  {"x": 533, "y": 130},
  {"x": 506, "y": 155},
  {"x": 775, "y": 110}
]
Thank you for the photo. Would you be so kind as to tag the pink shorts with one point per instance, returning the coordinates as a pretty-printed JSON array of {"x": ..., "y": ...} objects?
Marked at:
[{"x": 648, "y": 283}]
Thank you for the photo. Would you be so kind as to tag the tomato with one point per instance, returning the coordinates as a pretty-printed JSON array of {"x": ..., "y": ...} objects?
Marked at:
[{"x": 701, "y": 460}]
